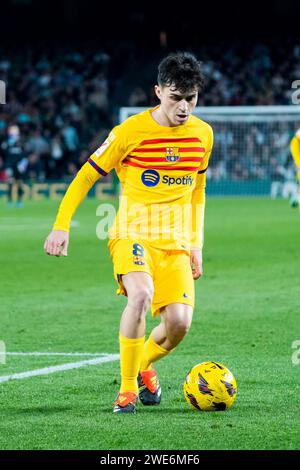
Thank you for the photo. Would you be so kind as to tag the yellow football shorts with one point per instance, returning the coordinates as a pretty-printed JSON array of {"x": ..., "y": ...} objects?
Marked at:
[{"x": 170, "y": 270}]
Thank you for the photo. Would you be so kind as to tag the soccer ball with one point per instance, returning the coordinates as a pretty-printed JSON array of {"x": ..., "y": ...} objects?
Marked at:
[{"x": 210, "y": 386}]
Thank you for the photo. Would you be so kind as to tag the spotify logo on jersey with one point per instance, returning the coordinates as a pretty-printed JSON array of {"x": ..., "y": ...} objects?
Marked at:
[{"x": 150, "y": 178}]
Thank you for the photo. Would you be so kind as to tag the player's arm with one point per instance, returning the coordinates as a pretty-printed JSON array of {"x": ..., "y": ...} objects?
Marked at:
[
  {"x": 295, "y": 151},
  {"x": 197, "y": 238},
  {"x": 98, "y": 165},
  {"x": 56, "y": 243},
  {"x": 198, "y": 211}
]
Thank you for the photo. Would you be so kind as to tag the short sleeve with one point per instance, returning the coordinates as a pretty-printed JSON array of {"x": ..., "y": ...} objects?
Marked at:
[{"x": 110, "y": 152}]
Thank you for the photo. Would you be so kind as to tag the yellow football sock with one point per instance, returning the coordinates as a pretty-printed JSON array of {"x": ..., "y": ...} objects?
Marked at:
[
  {"x": 152, "y": 352},
  {"x": 131, "y": 351}
]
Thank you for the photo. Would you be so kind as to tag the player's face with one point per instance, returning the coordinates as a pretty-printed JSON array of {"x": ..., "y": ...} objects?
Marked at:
[{"x": 176, "y": 106}]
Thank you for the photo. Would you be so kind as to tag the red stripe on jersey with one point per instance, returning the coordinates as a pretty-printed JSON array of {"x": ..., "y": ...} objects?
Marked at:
[
  {"x": 166, "y": 141},
  {"x": 163, "y": 149},
  {"x": 163, "y": 159},
  {"x": 163, "y": 167}
]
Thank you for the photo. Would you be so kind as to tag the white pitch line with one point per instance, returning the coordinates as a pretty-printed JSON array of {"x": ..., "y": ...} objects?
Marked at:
[
  {"x": 23, "y": 227},
  {"x": 30, "y": 226},
  {"x": 50, "y": 354},
  {"x": 60, "y": 368}
]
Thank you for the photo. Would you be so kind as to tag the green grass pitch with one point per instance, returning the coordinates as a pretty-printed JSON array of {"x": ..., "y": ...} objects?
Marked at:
[{"x": 246, "y": 316}]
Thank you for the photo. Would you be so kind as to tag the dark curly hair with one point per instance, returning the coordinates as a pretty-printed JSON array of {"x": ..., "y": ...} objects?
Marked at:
[{"x": 181, "y": 69}]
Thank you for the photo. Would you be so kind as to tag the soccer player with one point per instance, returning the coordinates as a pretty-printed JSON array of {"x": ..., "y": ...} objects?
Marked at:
[
  {"x": 16, "y": 162},
  {"x": 295, "y": 151},
  {"x": 160, "y": 156}
]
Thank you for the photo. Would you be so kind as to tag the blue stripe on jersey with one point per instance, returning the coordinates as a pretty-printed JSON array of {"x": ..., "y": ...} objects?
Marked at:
[
  {"x": 102, "y": 172},
  {"x": 202, "y": 171}
]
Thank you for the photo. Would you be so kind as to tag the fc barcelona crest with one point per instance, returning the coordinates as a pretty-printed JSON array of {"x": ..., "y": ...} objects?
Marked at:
[{"x": 172, "y": 154}]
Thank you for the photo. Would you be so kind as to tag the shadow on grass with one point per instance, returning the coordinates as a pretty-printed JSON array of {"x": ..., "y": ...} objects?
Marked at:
[{"x": 152, "y": 410}]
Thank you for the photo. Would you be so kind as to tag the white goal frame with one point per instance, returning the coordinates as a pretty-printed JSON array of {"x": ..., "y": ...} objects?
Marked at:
[{"x": 233, "y": 113}]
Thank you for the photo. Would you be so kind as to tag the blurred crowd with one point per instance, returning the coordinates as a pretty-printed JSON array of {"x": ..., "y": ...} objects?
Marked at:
[
  {"x": 254, "y": 150},
  {"x": 61, "y": 102}
]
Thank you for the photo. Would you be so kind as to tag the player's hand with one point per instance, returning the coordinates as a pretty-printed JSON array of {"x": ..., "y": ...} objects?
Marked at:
[
  {"x": 196, "y": 262},
  {"x": 56, "y": 243}
]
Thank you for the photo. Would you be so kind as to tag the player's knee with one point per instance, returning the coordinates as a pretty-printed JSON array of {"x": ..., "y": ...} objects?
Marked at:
[
  {"x": 182, "y": 327},
  {"x": 140, "y": 300},
  {"x": 178, "y": 329}
]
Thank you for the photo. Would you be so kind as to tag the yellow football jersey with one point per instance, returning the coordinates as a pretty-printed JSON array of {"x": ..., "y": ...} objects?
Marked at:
[{"x": 158, "y": 168}]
